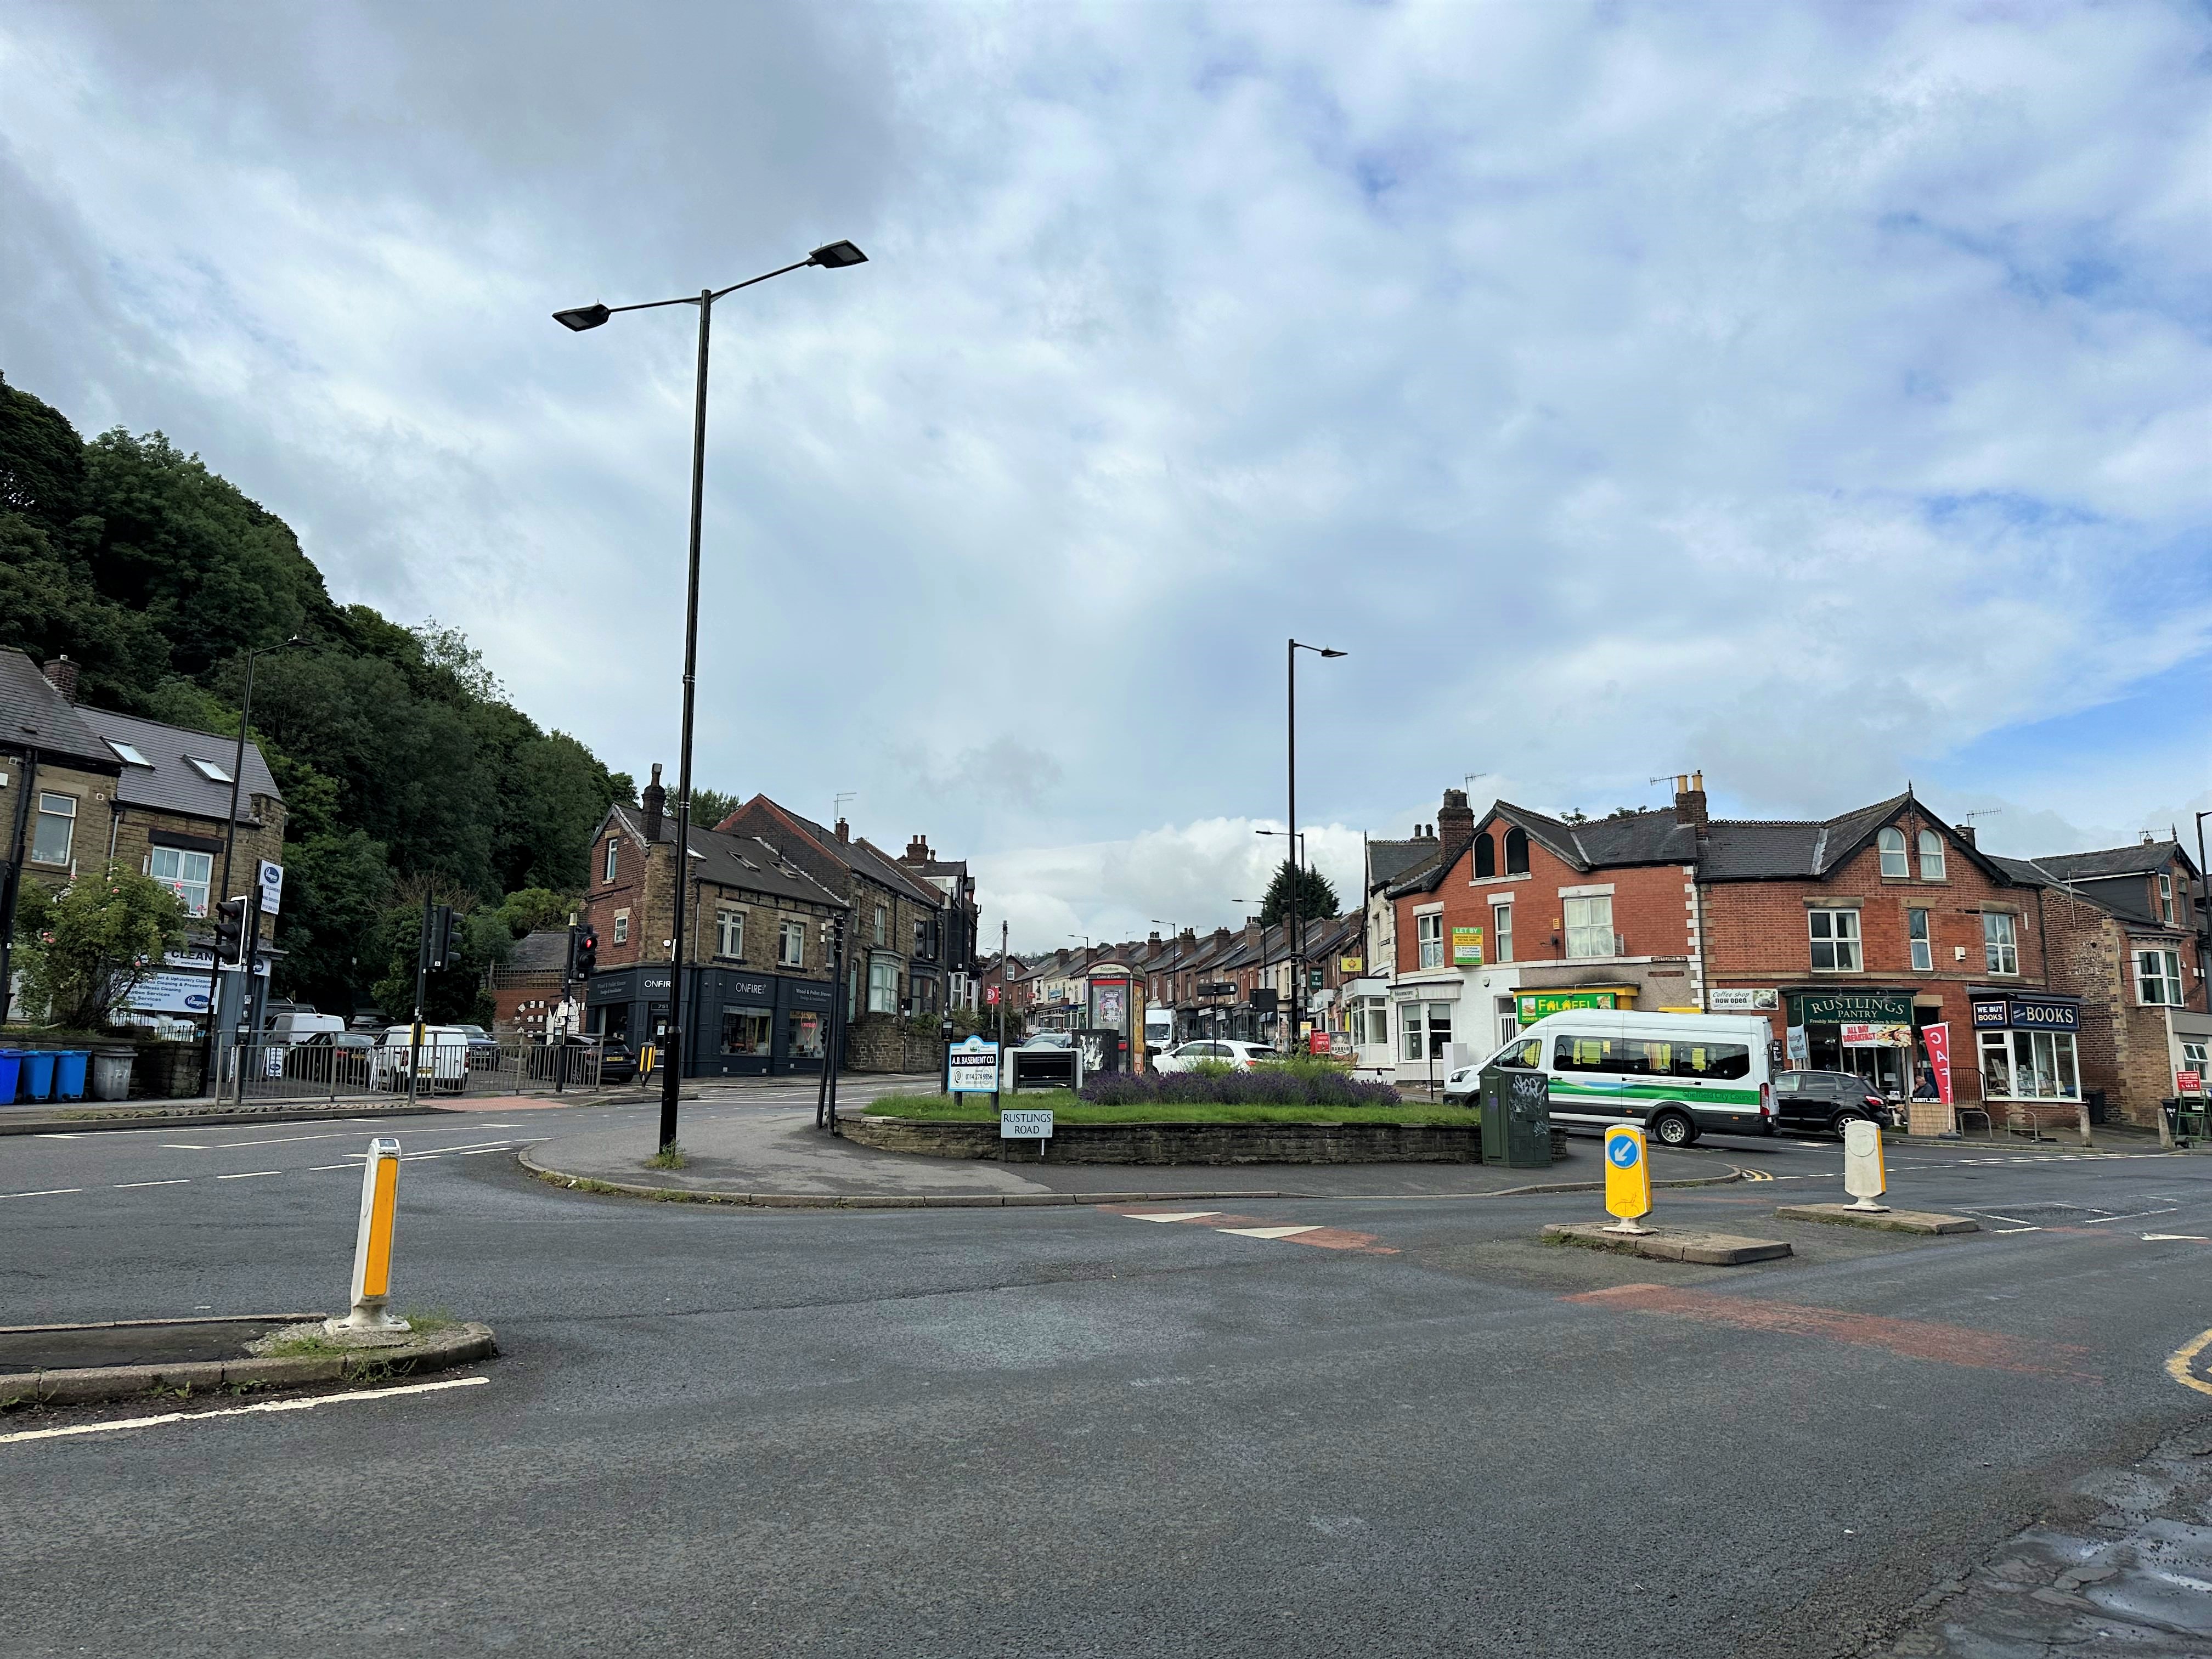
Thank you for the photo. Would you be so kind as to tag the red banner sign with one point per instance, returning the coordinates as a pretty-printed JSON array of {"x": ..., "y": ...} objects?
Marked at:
[{"x": 1938, "y": 1039}]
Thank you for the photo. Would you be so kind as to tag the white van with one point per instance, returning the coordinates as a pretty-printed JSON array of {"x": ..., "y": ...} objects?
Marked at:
[
  {"x": 441, "y": 1061},
  {"x": 293, "y": 1026},
  {"x": 1678, "y": 1075}
]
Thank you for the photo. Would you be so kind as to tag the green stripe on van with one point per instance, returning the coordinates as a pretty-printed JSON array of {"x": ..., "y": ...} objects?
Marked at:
[{"x": 1688, "y": 1090}]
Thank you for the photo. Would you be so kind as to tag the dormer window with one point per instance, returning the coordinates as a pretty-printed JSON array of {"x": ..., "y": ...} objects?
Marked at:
[
  {"x": 208, "y": 769},
  {"x": 128, "y": 755}
]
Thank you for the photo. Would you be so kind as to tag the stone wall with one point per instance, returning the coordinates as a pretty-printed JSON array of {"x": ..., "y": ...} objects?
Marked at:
[
  {"x": 1181, "y": 1142},
  {"x": 883, "y": 1042}
]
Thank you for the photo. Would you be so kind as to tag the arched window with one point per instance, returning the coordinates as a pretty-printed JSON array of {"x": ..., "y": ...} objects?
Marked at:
[
  {"x": 1931, "y": 856},
  {"x": 1516, "y": 852},
  {"x": 1894, "y": 863},
  {"x": 1486, "y": 856}
]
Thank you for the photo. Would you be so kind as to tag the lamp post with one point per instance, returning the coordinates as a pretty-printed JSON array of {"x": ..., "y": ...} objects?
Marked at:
[
  {"x": 833, "y": 256},
  {"x": 229, "y": 850},
  {"x": 1295, "y": 939}
]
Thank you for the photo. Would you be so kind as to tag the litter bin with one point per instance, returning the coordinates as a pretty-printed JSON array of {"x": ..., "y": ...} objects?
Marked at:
[
  {"x": 69, "y": 1067},
  {"x": 1516, "y": 1118},
  {"x": 11, "y": 1073},
  {"x": 111, "y": 1074},
  {"x": 38, "y": 1073}
]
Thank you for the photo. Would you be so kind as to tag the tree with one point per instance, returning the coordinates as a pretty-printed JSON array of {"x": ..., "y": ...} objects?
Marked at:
[
  {"x": 85, "y": 949},
  {"x": 710, "y": 806},
  {"x": 533, "y": 908},
  {"x": 1316, "y": 897}
]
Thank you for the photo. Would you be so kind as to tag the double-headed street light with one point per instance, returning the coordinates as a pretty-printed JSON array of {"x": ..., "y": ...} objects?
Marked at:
[
  {"x": 833, "y": 256},
  {"x": 1296, "y": 939}
]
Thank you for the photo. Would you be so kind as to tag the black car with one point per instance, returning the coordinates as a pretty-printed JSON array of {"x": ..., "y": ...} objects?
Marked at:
[
  {"x": 618, "y": 1060},
  {"x": 1825, "y": 1100}
]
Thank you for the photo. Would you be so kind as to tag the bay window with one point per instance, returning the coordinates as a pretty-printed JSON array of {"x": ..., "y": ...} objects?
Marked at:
[
  {"x": 2029, "y": 1066},
  {"x": 883, "y": 987},
  {"x": 1424, "y": 1029},
  {"x": 1589, "y": 927},
  {"x": 2158, "y": 978},
  {"x": 2001, "y": 942},
  {"x": 1835, "y": 939}
]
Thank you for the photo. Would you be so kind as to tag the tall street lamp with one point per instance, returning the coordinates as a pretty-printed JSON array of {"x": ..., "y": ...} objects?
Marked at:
[
  {"x": 833, "y": 256},
  {"x": 1295, "y": 940},
  {"x": 230, "y": 848}
]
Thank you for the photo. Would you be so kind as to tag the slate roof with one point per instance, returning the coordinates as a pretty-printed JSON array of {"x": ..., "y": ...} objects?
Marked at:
[
  {"x": 1739, "y": 849},
  {"x": 171, "y": 783},
  {"x": 2143, "y": 859},
  {"x": 744, "y": 862},
  {"x": 1389, "y": 860},
  {"x": 2113, "y": 879},
  {"x": 545, "y": 950},
  {"x": 32, "y": 712}
]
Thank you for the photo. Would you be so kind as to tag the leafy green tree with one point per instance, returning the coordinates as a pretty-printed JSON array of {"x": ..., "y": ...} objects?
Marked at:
[
  {"x": 1316, "y": 897},
  {"x": 85, "y": 949},
  {"x": 533, "y": 908},
  {"x": 41, "y": 461},
  {"x": 710, "y": 806},
  {"x": 452, "y": 994},
  {"x": 337, "y": 892}
]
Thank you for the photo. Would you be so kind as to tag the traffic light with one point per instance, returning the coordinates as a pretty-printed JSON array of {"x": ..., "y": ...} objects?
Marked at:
[
  {"x": 229, "y": 929},
  {"x": 442, "y": 945},
  {"x": 449, "y": 954},
  {"x": 587, "y": 951},
  {"x": 568, "y": 967}
]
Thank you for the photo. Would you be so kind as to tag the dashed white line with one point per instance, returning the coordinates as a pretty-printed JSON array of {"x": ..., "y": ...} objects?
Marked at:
[
  {"x": 2176, "y": 1238},
  {"x": 320, "y": 1167},
  {"x": 174, "y": 1181},
  {"x": 44, "y": 1192},
  {"x": 249, "y": 1175}
]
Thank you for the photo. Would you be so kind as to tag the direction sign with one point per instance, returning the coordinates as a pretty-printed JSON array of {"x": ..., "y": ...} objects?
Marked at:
[{"x": 1627, "y": 1175}]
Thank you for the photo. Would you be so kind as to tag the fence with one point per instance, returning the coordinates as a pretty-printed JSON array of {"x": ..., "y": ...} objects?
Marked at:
[{"x": 307, "y": 1071}]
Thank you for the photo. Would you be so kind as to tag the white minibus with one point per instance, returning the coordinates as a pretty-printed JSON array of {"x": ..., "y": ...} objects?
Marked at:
[{"x": 1678, "y": 1075}]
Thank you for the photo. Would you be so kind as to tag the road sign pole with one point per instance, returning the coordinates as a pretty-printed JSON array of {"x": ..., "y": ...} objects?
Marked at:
[{"x": 1864, "y": 1177}]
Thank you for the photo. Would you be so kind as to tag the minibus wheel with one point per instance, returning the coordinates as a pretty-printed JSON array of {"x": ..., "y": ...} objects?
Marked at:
[{"x": 1673, "y": 1128}]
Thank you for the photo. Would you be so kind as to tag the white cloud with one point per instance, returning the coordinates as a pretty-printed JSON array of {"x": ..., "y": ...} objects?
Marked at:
[{"x": 1804, "y": 392}]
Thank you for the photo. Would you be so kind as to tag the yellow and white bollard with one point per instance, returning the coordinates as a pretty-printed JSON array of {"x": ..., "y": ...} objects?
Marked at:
[
  {"x": 1864, "y": 1178},
  {"x": 372, "y": 1250},
  {"x": 1627, "y": 1178}
]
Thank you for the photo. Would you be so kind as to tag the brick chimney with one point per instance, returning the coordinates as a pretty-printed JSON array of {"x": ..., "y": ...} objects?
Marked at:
[
  {"x": 917, "y": 851},
  {"x": 61, "y": 673},
  {"x": 1690, "y": 801},
  {"x": 1455, "y": 828},
  {"x": 844, "y": 832},
  {"x": 656, "y": 806},
  {"x": 1964, "y": 832}
]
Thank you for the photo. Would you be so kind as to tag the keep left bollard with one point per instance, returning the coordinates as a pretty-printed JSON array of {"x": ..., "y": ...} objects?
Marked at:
[
  {"x": 372, "y": 1250},
  {"x": 1864, "y": 1178}
]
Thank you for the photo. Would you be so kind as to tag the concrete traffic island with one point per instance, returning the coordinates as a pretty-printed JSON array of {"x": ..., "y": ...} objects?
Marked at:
[
  {"x": 1896, "y": 1221},
  {"x": 123, "y": 1359},
  {"x": 1712, "y": 1249}
]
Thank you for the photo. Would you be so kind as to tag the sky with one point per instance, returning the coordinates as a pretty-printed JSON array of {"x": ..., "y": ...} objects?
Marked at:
[{"x": 1812, "y": 394}]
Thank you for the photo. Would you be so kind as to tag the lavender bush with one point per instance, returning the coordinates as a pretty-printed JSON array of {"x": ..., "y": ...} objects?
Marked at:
[{"x": 1265, "y": 1087}]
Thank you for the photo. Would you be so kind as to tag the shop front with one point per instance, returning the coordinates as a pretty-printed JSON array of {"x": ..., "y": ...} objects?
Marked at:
[
  {"x": 1870, "y": 1034},
  {"x": 741, "y": 1024},
  {"x": 2025, "y": 1046},
  {"x": 1529, "y": 1006}
]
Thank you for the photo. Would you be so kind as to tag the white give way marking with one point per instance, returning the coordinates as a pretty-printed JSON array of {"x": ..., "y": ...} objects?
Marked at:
[{"x": 241, "y": 1411}]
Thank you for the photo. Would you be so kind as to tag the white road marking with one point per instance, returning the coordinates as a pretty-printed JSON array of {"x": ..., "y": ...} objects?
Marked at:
[
  {"x": 2137, "y": 1216},
  {"x": 2178, "y": 1238},
  {"x": 1176, "y": 1215},
  {"x": 2015, "y": 1229},
  {"x": 44, "y": 1192},
  {"x": 320, "y": 1167},
  {"x": 52, "y": 1134},
  {"x": 181, "y": 1146},
  {"x": 243, "y": 1411},
  {"x": 249, "y": 1175},
  {"x": 1267, "y": 1232},
  {"x": 174, "y": 1181}
]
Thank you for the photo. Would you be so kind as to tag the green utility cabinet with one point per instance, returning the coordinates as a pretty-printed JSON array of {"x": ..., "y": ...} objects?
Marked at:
[{"x": 1516, "y": 1118}]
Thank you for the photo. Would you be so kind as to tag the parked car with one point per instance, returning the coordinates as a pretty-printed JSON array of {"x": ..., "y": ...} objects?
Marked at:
[
  {"x": 333, "y": 1057},
  {"x": 617, "y": 1061},
  {"x": 1048, "y": 1040},
  {"x": 1827, "y": 1100},
  {"x": 483, "y": 1047},
  {"x": 1221, "y": 1051}
]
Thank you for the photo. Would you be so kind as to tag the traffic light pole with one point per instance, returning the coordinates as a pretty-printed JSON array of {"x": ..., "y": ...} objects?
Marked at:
[
  {"x": 415, "y": 1032},
  {"x": 249, "y": 951}
]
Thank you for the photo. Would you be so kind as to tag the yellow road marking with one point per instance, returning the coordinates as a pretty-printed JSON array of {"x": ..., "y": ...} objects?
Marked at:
[
  {"x": 2179, "y": 1366},
  {"x": 1751, "y": 1175}
]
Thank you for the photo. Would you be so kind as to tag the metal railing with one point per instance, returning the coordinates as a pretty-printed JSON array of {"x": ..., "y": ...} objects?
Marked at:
[{"x": 306, "y": 1070}]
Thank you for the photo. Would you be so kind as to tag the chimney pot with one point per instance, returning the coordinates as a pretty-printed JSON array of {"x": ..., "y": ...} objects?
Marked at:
[{"x": 1690, "y": 801}]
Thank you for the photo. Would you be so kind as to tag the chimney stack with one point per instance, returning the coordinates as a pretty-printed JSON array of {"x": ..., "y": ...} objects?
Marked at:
[
  {"x": 61, "y": 673},
  {"x": 844, "y": 832},
  {"x": 917, "y": 851},
  {"x": 1964, "y": 832},
  {"x": 1690, "y": 801},
  {"x": 1454, "y": 824},
  {"x": 656, "y": 806}
]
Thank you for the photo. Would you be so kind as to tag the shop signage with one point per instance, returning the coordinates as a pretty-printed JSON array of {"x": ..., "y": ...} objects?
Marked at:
[
  {"x": 1851, "y": 1008},
  {"x": 1731, "y": 999},
  {"x": 2026, "y": 1014},
  {"x": 1352, "y": 964},
  {"x": 1876, "y": 1037},
  {"x": 971, "y": 1067},
  {"x": 1800, "y": 1050},
  {"x": 1938, "y": 1040},
  {"x": 2188, "y": 1083},
  {"x": 747, "y": 985},
  {"x": 1466, "y": 947},
  {"x": 1529, "y": 1006}
]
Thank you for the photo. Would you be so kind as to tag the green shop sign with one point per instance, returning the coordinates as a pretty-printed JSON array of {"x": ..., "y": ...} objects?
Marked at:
[
  {"x": 1531, "y": 1005},
  {"x": 1850, "y": 1008}
]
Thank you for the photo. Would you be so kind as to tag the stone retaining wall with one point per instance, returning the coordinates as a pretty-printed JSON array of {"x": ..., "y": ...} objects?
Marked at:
[
  {"x": 1179, "y": 1143},
  {"x": 882, "y": 1043}
]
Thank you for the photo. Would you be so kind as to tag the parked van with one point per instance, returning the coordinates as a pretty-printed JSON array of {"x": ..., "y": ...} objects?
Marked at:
[
  {"x": 1678, "y": 1075},
  {"x": 290, "y": 1027},
  {"x": 440, "y": 1062}
]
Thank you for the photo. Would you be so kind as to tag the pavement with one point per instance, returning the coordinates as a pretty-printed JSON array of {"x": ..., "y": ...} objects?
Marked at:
[
  {"x": 775, "y": 1155},
  {"x": 1285, "y": 1426}
]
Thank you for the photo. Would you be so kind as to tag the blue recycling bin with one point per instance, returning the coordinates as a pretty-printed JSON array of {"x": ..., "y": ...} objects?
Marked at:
[
  {"x": 11, "y": 1074},
  {"x": 38, "y": 1073},
  {"x": 69, "y": 1072}
]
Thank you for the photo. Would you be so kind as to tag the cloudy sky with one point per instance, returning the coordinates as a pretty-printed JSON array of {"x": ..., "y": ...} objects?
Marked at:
[{"x": 1815, "y": 394}]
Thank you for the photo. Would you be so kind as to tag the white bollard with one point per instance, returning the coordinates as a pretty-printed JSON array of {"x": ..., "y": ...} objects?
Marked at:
[
  {"x": 1863, "y": 1176},
  {"x": 372, "y": 1250}
]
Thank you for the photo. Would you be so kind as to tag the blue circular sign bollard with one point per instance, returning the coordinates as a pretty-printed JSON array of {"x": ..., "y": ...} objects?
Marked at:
[{"x": 1622, "y": 1152}]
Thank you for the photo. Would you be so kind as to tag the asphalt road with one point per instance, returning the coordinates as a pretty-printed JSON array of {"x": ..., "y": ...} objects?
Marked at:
[{"x": 1080, "y": 1432}]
